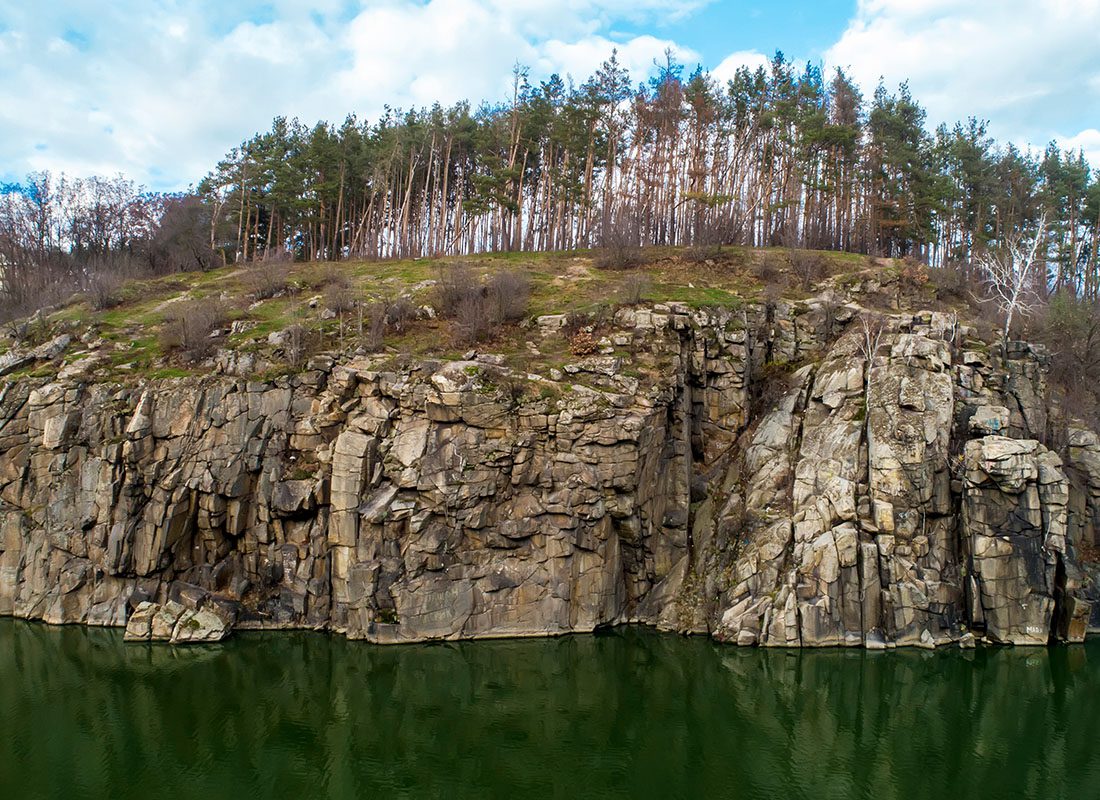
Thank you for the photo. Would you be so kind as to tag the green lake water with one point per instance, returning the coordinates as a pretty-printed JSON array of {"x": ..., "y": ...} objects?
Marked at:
[{"x": 630, "y": 713}]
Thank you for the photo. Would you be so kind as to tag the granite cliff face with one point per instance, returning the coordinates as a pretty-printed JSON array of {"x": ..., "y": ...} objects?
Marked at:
[{"x": 789, "y": 475}]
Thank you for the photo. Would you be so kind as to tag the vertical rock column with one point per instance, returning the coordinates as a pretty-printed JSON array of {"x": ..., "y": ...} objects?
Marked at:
[
  {"x": 351, "y": 464},
  {"x": 1014, "y": 513},
  {"x": 907, "y": 519}
]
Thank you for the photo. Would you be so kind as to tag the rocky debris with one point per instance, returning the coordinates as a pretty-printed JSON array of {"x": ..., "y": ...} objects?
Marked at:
[
  {"x": 82, "y": 369},
  {"x": 17, "y": 359},
  {"x": 175, "y": 623},
  {"x": 892, "y": 497}
]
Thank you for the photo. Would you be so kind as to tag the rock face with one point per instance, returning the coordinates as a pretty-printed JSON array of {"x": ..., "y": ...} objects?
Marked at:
[{"x": 784, "y": 475}]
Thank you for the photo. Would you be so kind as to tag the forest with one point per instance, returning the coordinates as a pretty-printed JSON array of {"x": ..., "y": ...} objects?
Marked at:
[{"x": 778, "y": 156}]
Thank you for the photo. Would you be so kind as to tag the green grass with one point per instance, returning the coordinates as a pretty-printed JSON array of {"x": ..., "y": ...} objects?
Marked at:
[
  {"x": 561, "y": 283},
  {"x": 696, "y": 297}
]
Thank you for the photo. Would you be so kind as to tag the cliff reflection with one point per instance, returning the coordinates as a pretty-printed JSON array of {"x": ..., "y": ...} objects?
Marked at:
[{"x": 630, "y": 713}]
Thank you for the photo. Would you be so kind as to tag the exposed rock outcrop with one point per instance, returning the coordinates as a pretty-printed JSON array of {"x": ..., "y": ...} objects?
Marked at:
[{"x": 777, "y": 475}]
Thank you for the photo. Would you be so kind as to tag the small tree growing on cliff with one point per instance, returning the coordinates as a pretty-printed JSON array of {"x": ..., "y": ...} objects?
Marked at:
[
  {"x": 1010, "y": 275},
  {"x": 872, "y": 326}
]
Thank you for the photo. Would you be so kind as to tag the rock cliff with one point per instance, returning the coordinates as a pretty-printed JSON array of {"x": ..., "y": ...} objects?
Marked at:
[{"x": 784, "y": 474}]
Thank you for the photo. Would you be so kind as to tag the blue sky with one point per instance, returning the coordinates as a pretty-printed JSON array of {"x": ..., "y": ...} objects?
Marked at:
[
  {"x": 717, "y": 29},
  {"x": 160, "y": 89}
]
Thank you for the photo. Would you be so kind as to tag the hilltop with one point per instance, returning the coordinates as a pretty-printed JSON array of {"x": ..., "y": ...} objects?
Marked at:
[{"x": 269, "y": 318}]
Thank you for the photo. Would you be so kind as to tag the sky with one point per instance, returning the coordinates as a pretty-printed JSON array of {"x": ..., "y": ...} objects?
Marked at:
[{"x": 160, "y": 89}]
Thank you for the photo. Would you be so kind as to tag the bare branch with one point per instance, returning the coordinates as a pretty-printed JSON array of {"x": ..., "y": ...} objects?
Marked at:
[{"x": 1010, "y": 275}]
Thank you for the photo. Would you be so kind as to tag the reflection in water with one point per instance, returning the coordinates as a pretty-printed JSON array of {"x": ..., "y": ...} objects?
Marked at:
[{"x": 626, "y": 714}]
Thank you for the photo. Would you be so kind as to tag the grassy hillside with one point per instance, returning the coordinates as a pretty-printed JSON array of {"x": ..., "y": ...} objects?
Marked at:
[{"x": 280, "y": 314}]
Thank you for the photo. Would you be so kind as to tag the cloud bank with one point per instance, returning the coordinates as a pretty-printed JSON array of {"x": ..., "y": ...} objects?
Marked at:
[
  {"x": 160, "y": 89},
  {"x": 1031, "y": 68}
]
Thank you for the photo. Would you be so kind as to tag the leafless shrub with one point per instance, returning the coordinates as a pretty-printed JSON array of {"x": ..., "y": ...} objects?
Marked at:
[
  {"x": 456, "y": 282},
  {"x": 104, "y": 290},
  {"x": 376, "y": 326},
  {"x": 399, "y": 314},
  {"x": 829, "y": 306},
  {"x": 267, "y": 278},
  {"x": 953, "y": 282},
  {"x": 768, "y": 386},
  {"x": 339, "y": 297},
  {"x": 701, "y": 253},
  {"x": 17, "y": 328},
  {"x": 478, "y": 309},
  {"x": 384, "y": 316},
  {"x": 708, "y": 236},
  {"x": 188, "y": 327},
  {"x": 328, "y": 274},
  {"x": 28, "y": 329},
  {"x": 509, "y": 293},
  {"x": 773, "y": 293},
  {"x": 619, "y": 242},
  {"x": 808, "y": 267},
  {"x": 301, "y": 344},
  {"x": 473, "y": 322},
  {"x": 913, "y": 273},
  {"x": 634, "y": 287},
  {"x": 1070, "y": 328},
  {"x": 767, "y": 271}
]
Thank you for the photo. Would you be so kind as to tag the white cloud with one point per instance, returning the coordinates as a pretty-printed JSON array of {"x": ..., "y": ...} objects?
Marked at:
[
  {"x": 448, "y": 50},
  {"x": 734, "y": 61},
  {"x": 1087, "y": 141},
  {"x": 1028, "y": 67},
  {"x": 160, "y": 89}
]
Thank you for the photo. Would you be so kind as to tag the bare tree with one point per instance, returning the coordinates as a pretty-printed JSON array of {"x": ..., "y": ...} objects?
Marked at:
[
  {"x": 1010, "y": 275},
  {"x": 872, "y": 326}
]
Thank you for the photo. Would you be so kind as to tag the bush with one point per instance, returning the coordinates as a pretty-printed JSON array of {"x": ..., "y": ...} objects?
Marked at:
[
  {"x": 767, "y": 270},
  {"x": 707, "y": 238},
  {"x": 913, "y": 273},
  {"x": 267, "y": 278},
  {"x": 953, "y": 282},
  {"x": 478, "y": 310},
  {"x": 509, "y": 293},
  {"x": 808, "y": 268},
  {"x": 1070, "y": 328},
  {"x": 301, "y": 344},
  {"x": 104, "y": 290},
  {"x": 328, "y": 275},
  {"x": 188, "y": 327},
  {"x": 376, "y": 326},
  {"x": 455, "y": 283},
  {"x": 339, "y": 297},
  {"x": 768, "y": 386},
  {"x": 399, "y": 314},
  {"x": 472, "y": 318},
  {"x": 385, "y": 316},
  {"x": 633, "y": 288},
  {"x": 619, "y": 242}
]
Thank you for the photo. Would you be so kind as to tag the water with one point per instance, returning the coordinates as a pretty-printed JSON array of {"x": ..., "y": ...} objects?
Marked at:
[{"x": 630, "y": 713}]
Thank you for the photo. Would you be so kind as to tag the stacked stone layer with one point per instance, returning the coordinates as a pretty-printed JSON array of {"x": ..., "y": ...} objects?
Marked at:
[{"x": 893, "y": 490}]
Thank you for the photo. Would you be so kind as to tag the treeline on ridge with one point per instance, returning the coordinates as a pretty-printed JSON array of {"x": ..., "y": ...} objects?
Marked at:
[{"x": 775, "y": 156}]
